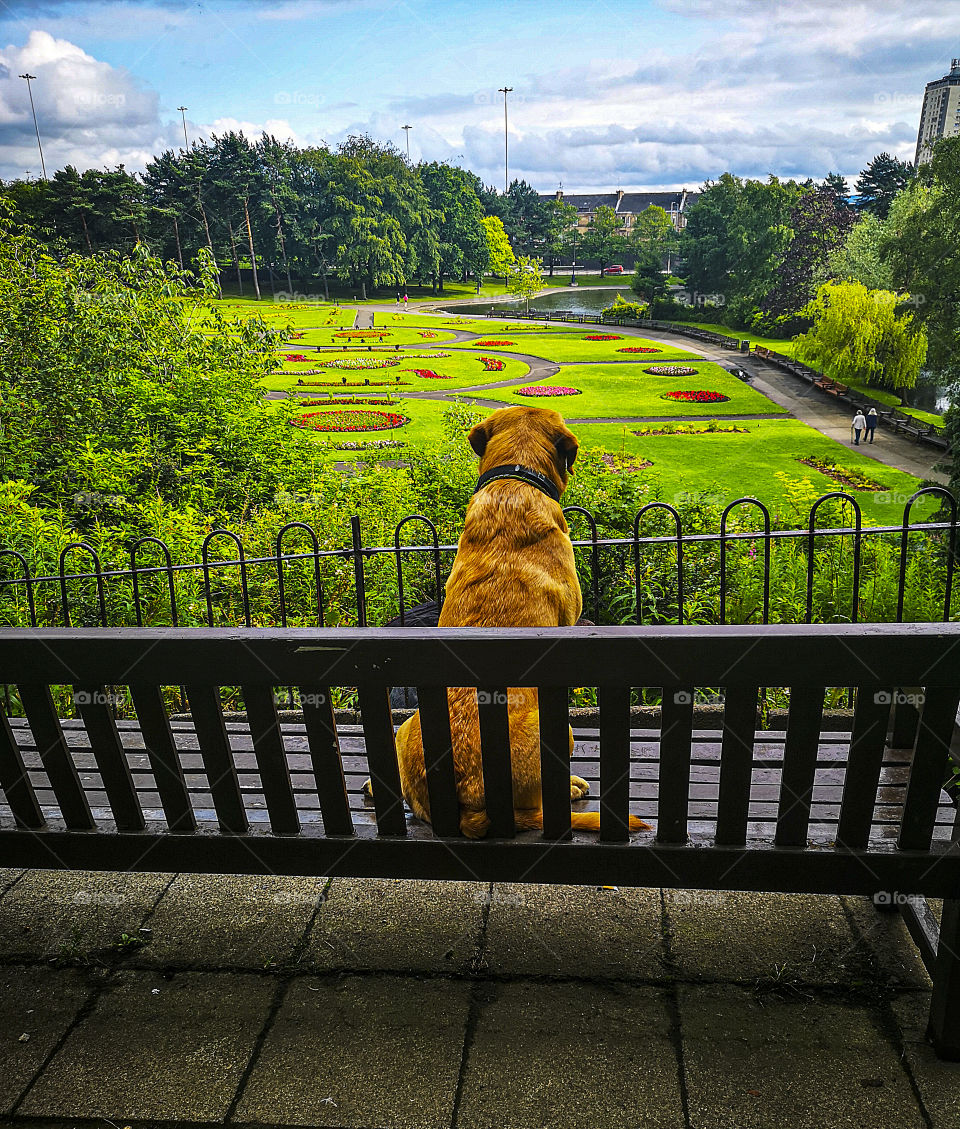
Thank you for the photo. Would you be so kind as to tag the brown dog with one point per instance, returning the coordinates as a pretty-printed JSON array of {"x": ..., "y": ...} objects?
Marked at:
[{"x": 514, "y": 568}]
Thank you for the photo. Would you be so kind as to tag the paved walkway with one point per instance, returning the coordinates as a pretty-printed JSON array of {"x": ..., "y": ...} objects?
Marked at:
[{"x": 364, "y": 1003}]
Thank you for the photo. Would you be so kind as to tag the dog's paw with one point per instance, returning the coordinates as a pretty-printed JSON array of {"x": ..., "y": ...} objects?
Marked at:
[
  {"x": 367, "y": 788},
  {"x": 578, "y": 788}
]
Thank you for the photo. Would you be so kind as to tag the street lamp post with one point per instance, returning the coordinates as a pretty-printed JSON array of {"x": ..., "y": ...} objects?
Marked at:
[
  {"x": 573, "y": 268},
  {"x": 406, "y": 129},
  {"x": 183, "y": 114},
  {"x": 505, "y": 90},
  {"x": 33, "y": 108}
]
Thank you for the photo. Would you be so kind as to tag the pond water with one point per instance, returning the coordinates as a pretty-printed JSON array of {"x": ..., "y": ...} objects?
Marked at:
[{"x": 576, "y": 299}]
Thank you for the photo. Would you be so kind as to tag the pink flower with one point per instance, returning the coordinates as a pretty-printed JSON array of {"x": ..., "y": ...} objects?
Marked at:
[{"x": 546, "y": 390}]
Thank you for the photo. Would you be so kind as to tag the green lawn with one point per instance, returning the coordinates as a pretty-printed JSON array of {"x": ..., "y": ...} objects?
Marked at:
[
  {"x": 626, "y": 390},
  {"x": 464, "y": 368},
  {"x": 425, "y": 426},
  {"x": 567, "y": 347},
  {"x": 296, "y": 313},
  {"x": 723, "y": 467}
]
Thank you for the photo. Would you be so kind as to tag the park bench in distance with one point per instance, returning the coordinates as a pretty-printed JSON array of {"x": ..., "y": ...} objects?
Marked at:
[{"x": 804, "y": 810}]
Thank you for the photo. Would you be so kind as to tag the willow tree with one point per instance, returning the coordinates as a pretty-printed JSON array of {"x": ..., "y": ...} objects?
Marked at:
[{"x": 863, "y": 335}]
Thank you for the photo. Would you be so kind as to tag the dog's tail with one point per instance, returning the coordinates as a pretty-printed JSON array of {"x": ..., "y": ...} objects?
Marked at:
[{"x": 579, "y": 821}]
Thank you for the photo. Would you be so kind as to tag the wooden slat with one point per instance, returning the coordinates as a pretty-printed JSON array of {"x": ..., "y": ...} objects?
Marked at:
[
  {"x": 864, "y": 765},
  {"x": 495, "y": 754},
  {"x": 55, "y": 756},
  {"x": 555, "y": 761},
  {"x": 799, "y": 765},
  {"x": 929, "y": 768},
  {"x": 217, "y": 758},
  {"x": 944, "y": 1027},
  {"x": 15, "y": 782},
  {"x": 271, "y": 759},
  {"x": 438, "y": 759},
  {"x": 107, "y": 749},
  {"x": 675, "y": 741},
  {"x": 614, "y": 704},
  {"x": 736, "y": 764},
  {"x": 325, "y": 757},
  {"x": 161, "y": 751},
  {"x": 382, "y": 758}
]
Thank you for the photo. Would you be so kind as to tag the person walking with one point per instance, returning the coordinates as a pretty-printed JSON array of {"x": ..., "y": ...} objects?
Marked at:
[
  {"x": 872, "y": 418},
  {"x": 406, "y": 301},
  {"x": 858, "y": 425}
]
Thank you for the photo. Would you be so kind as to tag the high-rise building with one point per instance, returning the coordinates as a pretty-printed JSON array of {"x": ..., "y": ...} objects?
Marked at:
[{"x": 940, "y": 116}]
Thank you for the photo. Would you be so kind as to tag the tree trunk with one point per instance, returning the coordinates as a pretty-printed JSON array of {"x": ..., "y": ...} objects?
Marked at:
[
  {"x": 206, "y": 228},
  {"x": 253, "y": 257},
  {"x": 236, "y": 257},
  {"x": 86, "y": 232},
  {"x": 283, "y": 245},
  {"x": 176, "y": 232}
]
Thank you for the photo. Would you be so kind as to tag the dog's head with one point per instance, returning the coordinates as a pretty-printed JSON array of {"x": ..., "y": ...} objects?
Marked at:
[{"x": 534, "y": 437}]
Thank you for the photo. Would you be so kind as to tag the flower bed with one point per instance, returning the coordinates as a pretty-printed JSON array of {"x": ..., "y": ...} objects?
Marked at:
[
  {"x": 492, "y": 364},
  {"x": 372, "y": 445},
  {"x": 846, "y": 476},
  {"x": 429, "y": 374},
  {"x": 298, "y": 357},
  {"x": 362, "y": 333},
  {"x": 604, "y": 337},
  {"x": 349, "y": 421},
  {"x": 695, "y": 396},
  {"x": 625, "y": 464},
  {"x": 363, "y": 363},
  {"x": 428, "y": 333},
  {"x": 639, "y": 349},
  {"x": 344, "y": 383},
  {"x": 492, "y": 344},
  {"x": 348, "y": 400},
  {"x": 671, "y": 370},
  {"x": 711, "y": 428},
  {"x": 546, "y": 390}
]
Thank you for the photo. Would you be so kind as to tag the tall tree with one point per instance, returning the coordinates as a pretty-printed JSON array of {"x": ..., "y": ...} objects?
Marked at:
[
  {"x": 461, "y": 238},
  {"x": 653, "y": 238},
  {"x": 500, "y": 253},
  {"x": 604, "y": 238},
  {"x": 862, "y": 258},
  {"x": 880, "y": 182}
]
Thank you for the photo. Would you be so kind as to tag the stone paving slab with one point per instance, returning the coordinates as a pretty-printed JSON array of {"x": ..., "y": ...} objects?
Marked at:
[
  {"x": 746, "y": 937},
  {"x": 571, "y": 1055},
  {"x": 361, "y": 1051},
  {"x": 937, "y": 1081},
  {"x": 770, "y": 1063},
  {"x": 230, "y": 920},
  {"x": 156, "y": 1048},
  {"x": 73, "y": 913},
  {"x": 37, "y": 1005},
  {"x": 576, "y": 931},
  {"x": 398, "y": 926}
]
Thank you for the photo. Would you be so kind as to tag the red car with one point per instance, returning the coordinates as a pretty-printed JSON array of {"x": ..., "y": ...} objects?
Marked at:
[{"x": 616, "y": 269}]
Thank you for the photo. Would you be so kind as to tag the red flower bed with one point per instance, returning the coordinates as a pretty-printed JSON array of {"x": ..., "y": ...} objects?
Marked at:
[
  {"x": 428, "y": 333},
  {"x": 493, "y": 364},
  {"x": 546, "y": 390},
  {"x": 639, "y": 349},
  {"x": 696, "y": 396},
  {"x": 296, "y": 357},
  {"x": 604, "y": 337},
  {"x": 364, "y": 333},
  {"x": 491, "y": 344},
  {"x": 349, "y": 421},
  {"x": 428, "y": 374},
  {"x": 671, "y": 370},
  {"x": 344, "y": 383}
]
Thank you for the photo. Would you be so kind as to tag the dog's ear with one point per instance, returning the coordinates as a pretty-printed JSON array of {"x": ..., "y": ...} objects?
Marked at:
[
  {"x": 480, "y": 435},
  {"x": 567, "y": 447}
]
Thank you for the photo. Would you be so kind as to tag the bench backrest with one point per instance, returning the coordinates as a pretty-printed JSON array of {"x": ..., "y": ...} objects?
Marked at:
[{"x": 874, "y": 660}]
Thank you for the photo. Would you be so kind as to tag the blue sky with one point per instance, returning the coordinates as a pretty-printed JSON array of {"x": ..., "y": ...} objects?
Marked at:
[{"x": 636, "y": 94}]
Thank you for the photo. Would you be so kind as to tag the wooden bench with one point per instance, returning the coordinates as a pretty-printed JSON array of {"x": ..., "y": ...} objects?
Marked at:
[{"x": 733, "y": 809}]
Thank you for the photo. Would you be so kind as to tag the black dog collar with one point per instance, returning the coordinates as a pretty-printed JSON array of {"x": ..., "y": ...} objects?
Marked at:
[{"x": 522, "y": 474}]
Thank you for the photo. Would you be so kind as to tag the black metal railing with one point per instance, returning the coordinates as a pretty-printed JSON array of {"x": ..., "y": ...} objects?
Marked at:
[{"x": 659, "y": 573}]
